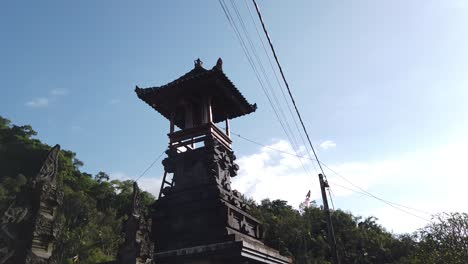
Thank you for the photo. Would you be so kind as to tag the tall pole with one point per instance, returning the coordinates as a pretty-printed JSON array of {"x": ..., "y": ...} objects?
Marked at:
[{"x": 331, "y": 232}]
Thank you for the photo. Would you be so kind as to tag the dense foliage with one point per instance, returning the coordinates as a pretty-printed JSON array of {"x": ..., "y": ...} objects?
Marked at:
[
  {"x": 304, "y": 237},
  {"x": 94, "y": 208}
]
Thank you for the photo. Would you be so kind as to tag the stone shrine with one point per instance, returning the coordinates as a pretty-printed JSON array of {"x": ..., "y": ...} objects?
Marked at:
[{"x": 198, "y": 218}]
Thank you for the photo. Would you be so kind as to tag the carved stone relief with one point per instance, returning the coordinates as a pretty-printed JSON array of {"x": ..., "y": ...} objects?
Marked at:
[{"x": 28, "y": 227}]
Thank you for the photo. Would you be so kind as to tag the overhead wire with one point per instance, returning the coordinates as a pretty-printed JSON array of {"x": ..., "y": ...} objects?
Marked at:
[
  {"x": 334, "y": 172},
  {"x": 296, "y": 108},
  {"x": 293, "y": 117},
  {"x": 287, "y": 86},
  {"x": 370, "y": 194},
  {"x": 262, "y": 70},
  {"x": 362, "y": 191},
  {"x": 276, "y": 107},
  {"x": 149, "y": 167},
  {"x": 250, "y": 60},
  {"x": 249, "y": 57},
  {"x": 331, "y": 199}
]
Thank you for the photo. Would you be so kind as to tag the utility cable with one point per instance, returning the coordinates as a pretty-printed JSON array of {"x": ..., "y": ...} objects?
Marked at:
[
  {"x": 287, "y": 86},
  {"x": 150, "y": 166},
  {"x": 364, "y": 192},
  {"x": 245, "y": 49},
  {"x": 331, "y": 199},
  {"x": 268, "y": 84},
  {"x": 279, "y": 84},
  {"x": 294, "y": 102},
  {"x": 373, "y": 196},
  {"x": 370, "y": 196}
]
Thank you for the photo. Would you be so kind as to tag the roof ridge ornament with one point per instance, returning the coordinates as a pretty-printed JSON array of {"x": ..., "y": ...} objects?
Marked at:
[
  {"x": 198, "y": 63},
  {"x": 219, "y": 65}
]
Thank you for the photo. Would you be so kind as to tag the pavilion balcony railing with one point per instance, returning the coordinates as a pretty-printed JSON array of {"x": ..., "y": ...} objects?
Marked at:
[{"x": 188, "y": 138}]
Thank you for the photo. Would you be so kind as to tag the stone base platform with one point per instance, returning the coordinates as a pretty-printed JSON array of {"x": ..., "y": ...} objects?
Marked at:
[{"x": 232, "y": 252}]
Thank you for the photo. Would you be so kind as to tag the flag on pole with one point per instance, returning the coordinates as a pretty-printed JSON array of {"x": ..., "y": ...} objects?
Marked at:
[
  {"x": 305, "y": 204},
  {"x": 307, "y": 200}
]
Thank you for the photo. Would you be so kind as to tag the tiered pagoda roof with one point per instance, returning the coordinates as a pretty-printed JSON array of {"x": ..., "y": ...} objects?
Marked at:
[{"x": 227, "y": 101}]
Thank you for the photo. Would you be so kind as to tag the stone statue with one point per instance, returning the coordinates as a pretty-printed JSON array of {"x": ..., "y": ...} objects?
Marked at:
[
  {"x": 137, "y": 247},
  {"x": 28, "y": 228}
]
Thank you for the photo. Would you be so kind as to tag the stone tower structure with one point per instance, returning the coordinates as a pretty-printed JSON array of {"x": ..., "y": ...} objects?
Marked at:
[{"x": 198, "y": 218}]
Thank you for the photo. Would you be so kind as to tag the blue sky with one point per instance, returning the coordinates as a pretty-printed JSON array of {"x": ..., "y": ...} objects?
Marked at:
[{"x": 384, "y": 82}]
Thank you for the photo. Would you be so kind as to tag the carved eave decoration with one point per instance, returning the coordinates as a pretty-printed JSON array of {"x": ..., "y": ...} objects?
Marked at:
[{"x": 227, "y": 100}]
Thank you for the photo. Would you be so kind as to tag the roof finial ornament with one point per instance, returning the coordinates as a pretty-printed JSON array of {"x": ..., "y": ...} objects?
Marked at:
[
  {"x": 219, "y": 64},
  {"x": 198, "y": 63}
]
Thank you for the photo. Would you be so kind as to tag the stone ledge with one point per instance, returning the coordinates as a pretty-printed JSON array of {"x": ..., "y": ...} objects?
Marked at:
[{"x": 247, "y": 251}]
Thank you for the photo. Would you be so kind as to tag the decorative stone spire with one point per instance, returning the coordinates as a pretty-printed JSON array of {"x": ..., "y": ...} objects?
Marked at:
[
  {"x": 219, "y": 64},
  {"x": 198, "y": 63},
  {"x": 28, "y": 227},
  {"x": 137, "y": 247}
]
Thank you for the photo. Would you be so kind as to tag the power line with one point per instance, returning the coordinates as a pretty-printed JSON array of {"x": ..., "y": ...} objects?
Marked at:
[
  {"x": 279, "y": 112},
  {"x": 331, "y": 199},
  {"x": 287, "y": 85},
  {"x": 262, "y": 70},
  {"x": 276, "y": 107},
  {"x": 373, "y": 196},
  {"x": 279, "y": 84},
  {"x": 150, "y": 166},
  {"x": 364, "y": 192},
  {"x": 250, "y": 60}
]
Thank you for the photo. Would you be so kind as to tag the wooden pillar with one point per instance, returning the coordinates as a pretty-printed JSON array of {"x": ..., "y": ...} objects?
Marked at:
[
  {"x": 188, "y": 115},
  {"x": 207, "y": 114},
  {"x": 210, "y": 112},
  {"x": 172, "y": 126},
  {"x": 228, "y": 130}
]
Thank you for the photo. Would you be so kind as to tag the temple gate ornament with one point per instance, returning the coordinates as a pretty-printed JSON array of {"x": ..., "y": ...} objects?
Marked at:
[
  {"x": 198, "y": 218},
  {"x": 28, "y": 228},
  {"x": 137, "y": 248}
]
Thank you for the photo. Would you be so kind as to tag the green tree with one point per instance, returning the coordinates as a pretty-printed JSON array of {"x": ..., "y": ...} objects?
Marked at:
[
  {"x": 93, "y": 208},
  {"x": 444, "y": 240}
]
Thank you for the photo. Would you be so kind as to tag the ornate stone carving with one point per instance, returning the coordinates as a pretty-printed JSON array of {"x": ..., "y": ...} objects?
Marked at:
[
  {"x": 221, "y": 164},
  {"x": 28, "y": 227},
  {"x": 137, "y": 247},
  {"x": 49, "y": 196},
  {"x": 10, "y": 238}
]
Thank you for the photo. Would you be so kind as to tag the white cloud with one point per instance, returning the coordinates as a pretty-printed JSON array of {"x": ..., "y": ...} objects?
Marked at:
[
  {"x": 121, "y": 176},
  {"x": 275, "y": 175},
  {"x": 327, "y": 144},
  {"x": 149, "y": 184},
  {"x": 38, "y": 102},
  {"x": 431, "y": 180},
  {"x": 45, "y": 101},
  {"x": 58, "y": 92}
]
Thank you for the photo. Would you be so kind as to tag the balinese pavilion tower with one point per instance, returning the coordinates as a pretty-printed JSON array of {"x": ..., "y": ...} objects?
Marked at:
[{"x": 198, "y": 218}]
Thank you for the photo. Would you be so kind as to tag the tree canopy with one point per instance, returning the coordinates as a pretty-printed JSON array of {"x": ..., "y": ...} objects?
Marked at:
[{"x": 95, "y": 207}]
